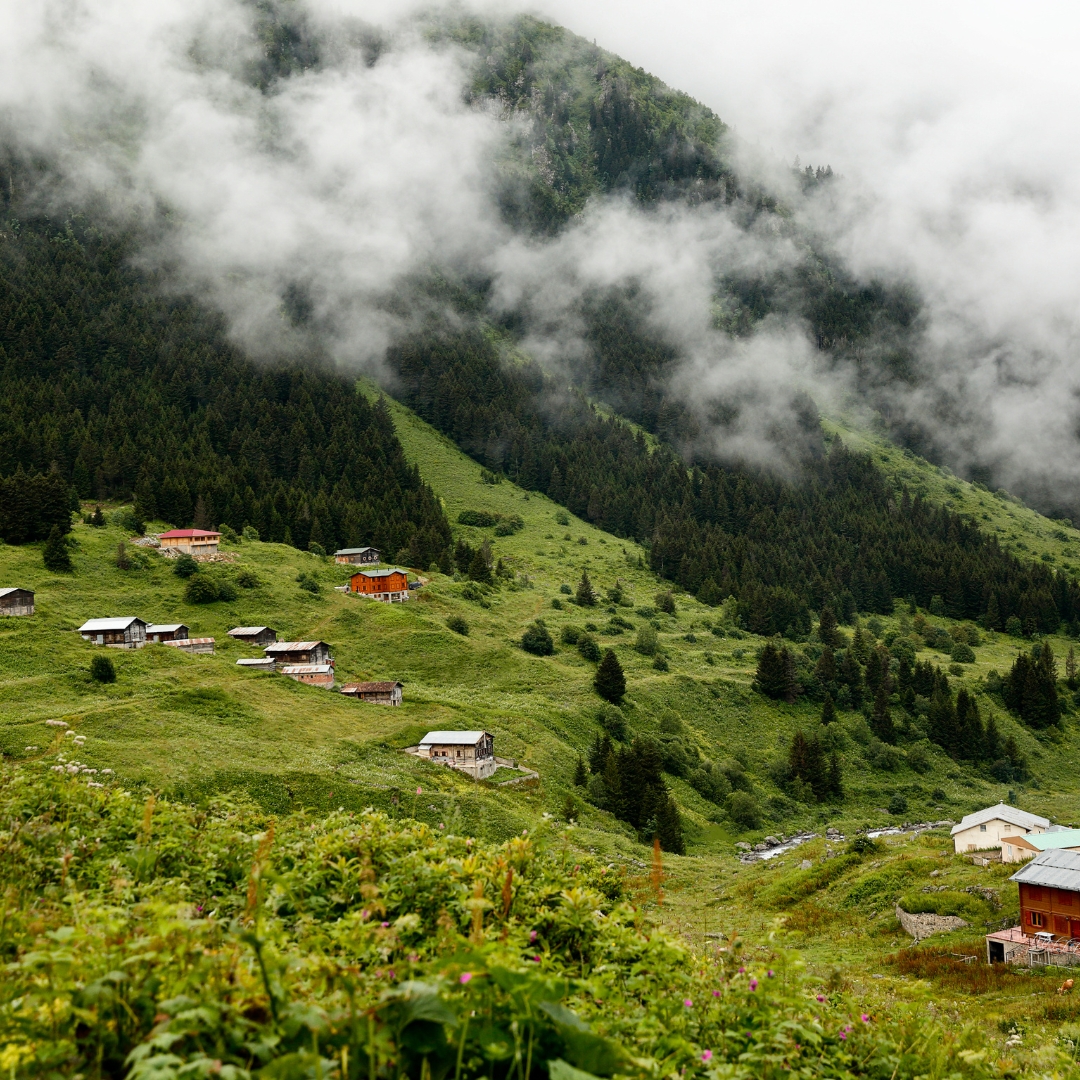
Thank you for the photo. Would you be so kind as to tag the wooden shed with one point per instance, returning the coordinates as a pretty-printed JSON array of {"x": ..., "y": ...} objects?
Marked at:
[
  {"x": 167, "y": 632},
  {"x": 189, "y": 541},
  {"x": 379, "y": 693},
  {"x": 311, "y": 674},
  {"x": 258, "y": 663},
  {"x": 254, "y": 635},
  {"x": 472, "y": 752},
  {"x": 121, "y": 633},
  {"x": 300, "y": 652},
  {"x": 193, "y": 645},
  {"x": 358, "y": 556},
  {"x": 16, "y": 602},
  {"x": 389, "y": 586}
]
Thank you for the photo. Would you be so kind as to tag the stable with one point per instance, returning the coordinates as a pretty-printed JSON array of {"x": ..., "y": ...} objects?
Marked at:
[
  {"x": 357, "y": 556},
  {"x": 167, "y": 632},
  {"x": 16, "y": 602},
  {"x": 122, "y": 633},
  {"x": 472, "y": 752},
  {"x": 311, "y": 674},
  {"x": 1018, "y": 849},
  {"x": 378, "y": 693},
  {"x": 987, "y": 828},
  {"x": 389, "y": 586},
  {"x": 300, "y": 652},
  {"x": 189, "y": 542},
  {"x": 254, "y": 635}
]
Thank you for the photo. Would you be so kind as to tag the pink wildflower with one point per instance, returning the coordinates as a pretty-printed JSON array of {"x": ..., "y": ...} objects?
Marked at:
[
  {"x": 843, "y": 1034},
  {"x": 466, "y": 977},
  {"x": 419, "y": 791},
  {"x": 821, "y": 997},
  {"x": 716, "y": 993},
  {"x": 384, "y": 925},
  {"x": 770, "y": 973},
  {"x": 865, "y": 1018},
  {"x": 688, "y": 1003},
  {"x": 753, "y": 984},
  {"x": 706, "y": 1056},
  {"x": 532, "y": 936},
  {"x": 537, "y": 959}
]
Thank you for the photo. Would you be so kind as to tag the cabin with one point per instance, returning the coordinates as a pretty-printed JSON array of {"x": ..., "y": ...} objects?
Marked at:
[
  {"x": 471, "y": 752},
  {"x": 299, "y": 652},
  {"x": 121, "y": 633},
  {"x": 254, "y": 635},
  {"x": 16, "y": 602},
  {"x": 358, "y": 556},
  {"x": 258, "y": 663},
  {"x": 389, "y": 586},
  {"x": 312, "y": 674},
  {"x": 379, "y": 693},
  {"x": 167, "y": 632},
  {"x": 193, "y": 645},
  {"x": 987, "y": 828},
  {"x": 1018, "y": 849},
  {"x": 189, "y": 542}
]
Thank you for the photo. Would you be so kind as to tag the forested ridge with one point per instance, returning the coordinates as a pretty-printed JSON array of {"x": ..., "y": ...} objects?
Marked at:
[{"x": 125, "y": 391}]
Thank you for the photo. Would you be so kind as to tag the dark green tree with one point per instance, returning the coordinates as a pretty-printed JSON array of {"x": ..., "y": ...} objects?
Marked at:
[
  {"x": 1030, "y": 688},
  {"x": 102, "y": 669},
  {"x": 581, "y": 775},
  {"x": 828, "y": 630},
  {"x": 537, "y": 640},
  {"x": 55, "y": 554},
  {"x": 669, "y": 829},
  {"x": 835, "y": 777},
  {"x": 828, "y": 710},
  {"x": 585, "y": 595},
  {"x": 610, "y": 682},
  {"x": 775, "y": 676},
  {"x": 881, "y": 721}
]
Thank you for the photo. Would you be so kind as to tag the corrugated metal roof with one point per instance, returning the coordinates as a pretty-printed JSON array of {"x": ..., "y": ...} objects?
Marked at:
[
  {"x": 379, "y": 573},
  {"x": 1002, "y": 812},
  {"x": 293, "y": 646},
  {"x": 370, "y": 687},
  {"x": 248, "y": 631},
  {"x": 452, "y": 738},
  {"x": 166, "y": 628},
  {"x": 1058, "y": 869},
  {"x": 1049, "y": 841},
  {"x": 258, "y": 661},
  {"x": 8, "y": 592},
  {"x": 305, "y": 669},
  {"x": 355, "y": 551},
  {"x": 93, "y": 626},
  {"x": 181, "y": 643},
  {"x": 187, "y": 534}
]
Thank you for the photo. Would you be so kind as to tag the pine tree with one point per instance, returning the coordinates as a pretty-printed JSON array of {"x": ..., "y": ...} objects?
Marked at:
[
  {"x": 480, "y": 567},
  {"x": 669, "y": 828},
  {"x": 991, "y": 748},
  {"x": 992, "y": 619},
  {"x": 835, "y": 777},
  {"x": 970, "y": 734},
  {"x": 825, "y": 669},
  {"x": 586, "y": 597},
  {"x": 881, "y": 721},
  {"x": 55, "y": 554},
  {"x": 776, "y": 672},
  {"x": 610, "y": 682},
  {"x": 581, "y": 776},
  {"x": 602, "y": 749},
  {"x": 98, "y": 518},
  {"x": 828, "y": 631},
  {"x": 850, "y": 675},
  {"x": 862, "y": 645},
  {"x": 1070, "y": 668},
  {"x": 828, "y": 710}
]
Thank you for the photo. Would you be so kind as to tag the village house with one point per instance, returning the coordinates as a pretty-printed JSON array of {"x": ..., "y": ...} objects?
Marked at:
[
  {"x": 16, "y": 602},
  {"x": 1018, "y": 849},
  {"x": 192, "y": 645},
  {"x": 189, "y": 542},
  {"x": 1049, "y": 887},
  {"x": 359, "y": 556},
  {"x": 987, "y": 828},
  {"x": 166, "y": 632},
  {"x": 122, "y": 633},
  {"x": 311, "y": 674},
  {"x": 379, "y": 693},
  {"x": 258, "y": 663},
  {"x": 254, "y": 635},
  {"x": 299, "y": 652},
  {"x": 472, "y": 752},
  {"x": 389, "y": 586}
]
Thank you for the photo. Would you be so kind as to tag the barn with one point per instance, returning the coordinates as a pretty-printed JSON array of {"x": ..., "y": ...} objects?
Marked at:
[
  {"x": 378, "y": 693},
  {"x": 193, "y": 645},
  {"x": 121, "y": 633},
  {"x": 254, "y": 635},
  {"x": 312, "y": 674},
  {"x": 389, "y": 586},
  {"x": 358, "y": 556},
  {"x": 472, "y": 752},
  {"x": 300, "y": 652},
  {"x": 16, "y": 602},
  {"x": 189, "y": 542},
  {"x": 167, "y": 632}
]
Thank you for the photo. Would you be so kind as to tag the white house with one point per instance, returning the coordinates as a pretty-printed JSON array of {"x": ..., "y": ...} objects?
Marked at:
[
  {"x": 987, "y": 828},
  {"x": 472, "y": 752}
]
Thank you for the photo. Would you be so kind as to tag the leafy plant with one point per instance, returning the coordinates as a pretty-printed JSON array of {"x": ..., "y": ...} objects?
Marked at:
[
  {"x": 102, "y": 669},
  {"x": 537, "y": 640},
  {"x": 458, "y": 625},
  {"x": 184, "y": 566}
]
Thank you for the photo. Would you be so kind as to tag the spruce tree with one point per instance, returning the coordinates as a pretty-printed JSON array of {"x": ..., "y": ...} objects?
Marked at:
[
  {"x": 828, "y": 631},
  {"x": 828, "y": 710},
  {"x": 881, "y": 721},
  {"x": 992, "y": 619},
  {"x": 991, "y": 748},
  {"x": 835, "y": 777},
  {"x": 581, "y": 776},
  {"x": 98, "y": 518},
  {"x": 586, "y": 597},
  {"x": 850, "y": 675},
  {"x": 480, "y": 567},
  {"x": 610, "y": 682},
  {"x": 776, "y": 672},
  {"x": 55, "y": 554},
  {"x": 825, "y": 669},
  {"x": 669, "y": 828}
]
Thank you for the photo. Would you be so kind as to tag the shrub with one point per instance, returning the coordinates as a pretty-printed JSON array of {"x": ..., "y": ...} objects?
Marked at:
[
  {"x": 200, "y": 590},
  {"x": 1014, "y": 627},
  {"x": 962, "y": 653},
  {"x": 55, "y": 554},
  {"x": 250, "y": 532},
  {"x": 863, "y": 845},
  {"x": 565, "y": 589},
  {"x": 458, "y": 625},
  {"x": 898, "y": 804},
  {"x": 562, "y": 518},
  {"x": 102, "y": 669},
  {"x": 613, "y": 722},
  {"x": 123, "y": 561},
  {"x": 660, "y": 662},
  {"x": 743, "y": 809},
  {"x": 647, "y": 641},
  {"x": 229, "y": 533},
  {"x": 247, "y": 579},
  {"x": 510, "y": 525},
  {"x": 479, "y": 519},
  {"x": 665, "y": 601},
  {"x": 308, "y": 583},
  {"x": 919, "y": 759},
  {"x": 570, "y": 635},
  {"x": 126, "y": 518},
  {"x": 556, "y": 603},
  {"x": 184, "y": 566},
  {"x": 537, "y": 640},
  {"x": 882, "y": 756},
  {"x": 226, "y": 591},
  {"x": 588, "y": 648},
  {"x": 316, "y": 549}
]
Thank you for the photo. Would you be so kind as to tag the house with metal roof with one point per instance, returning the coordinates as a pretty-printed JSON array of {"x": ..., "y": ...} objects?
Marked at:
[
  {"x": 311, "y": 674},
  {"x": 16, "y": 601},
  {"x": 189, "y": 542},
  {"x": 986, "y": 828},
  {"x": 472, "y": 752},
  {"x": 254, "y": 635},
  {"x": 1018, "y": 849},
  {"x": 357, "y": 556},
  {"x": 300, "y": 652},
  {"x": 192, "y": 645},
  {"x": 378, "y": 693},
  {"x": 390, "y": 586},
  {"x": 121, "y": 633},
  {"x": 167, "y": 632}
]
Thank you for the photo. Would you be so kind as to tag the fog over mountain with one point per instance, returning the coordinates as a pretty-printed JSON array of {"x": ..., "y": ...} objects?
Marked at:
[{"x": 302, "y": 203}]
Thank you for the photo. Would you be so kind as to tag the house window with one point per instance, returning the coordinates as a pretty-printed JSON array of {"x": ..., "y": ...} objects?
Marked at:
[
  {"x": 1036, "y": 918},
  {"x": 982, "y": 828}
]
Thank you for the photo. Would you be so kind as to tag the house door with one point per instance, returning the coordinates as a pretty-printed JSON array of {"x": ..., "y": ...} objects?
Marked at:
[{"x": 996, "y": 952}]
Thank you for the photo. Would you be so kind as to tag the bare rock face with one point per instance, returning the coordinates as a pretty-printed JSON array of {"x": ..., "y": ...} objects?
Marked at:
[{"x": 922, "y": 925}]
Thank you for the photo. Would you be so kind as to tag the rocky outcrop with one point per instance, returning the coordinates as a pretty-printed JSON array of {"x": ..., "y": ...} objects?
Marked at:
[{"x": 922, "y": 925}]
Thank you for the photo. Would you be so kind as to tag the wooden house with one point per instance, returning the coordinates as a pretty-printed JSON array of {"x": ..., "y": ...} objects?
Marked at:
[
  {"x": 472, "y": 752},
  {"x": 189, "y": 542},
  {"x": 379, "y": 693},
  {"x": 358, "y": 556},
  {"x": 987, "y": 828},
  {"x": 1018, "y": 849},
  {"x": 16, "y": 602},
  {"x": 1050, "y": 894},
  {"x": 193, "y": 645},
  {"x": 299, "y": 652},
  {"x": 122, "y": 633},
  {"x": 311, "y": 674},
  {"x": 258, "y": 663},
  {"x": 167, "y": 632},
  {"x": 254, "y": 635},
  {"x": 389, "y": 586}
]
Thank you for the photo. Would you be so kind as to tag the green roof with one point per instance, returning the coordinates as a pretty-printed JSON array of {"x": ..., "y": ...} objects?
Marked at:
[{"x": 1050, "y": 841}]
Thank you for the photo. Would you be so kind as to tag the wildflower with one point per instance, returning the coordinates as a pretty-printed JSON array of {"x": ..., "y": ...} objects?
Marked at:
[
  {"x": 742, "y": 971},
  {"x": 688, "y": 1003},
  {"x": 843, "y": 1034},
  {"x": 753, "y": 984},
  {"x": 465, "y": 978},
  {"x": 865, "y": 1018},
  {"x": 706, "y": 1056},
  {"x": 716, "y": 993},
  {"x": 532, "y": 936},
  {"x": 384, "y": 925},
  {"x": 821, "y": 997},
  {"x": 770, "y": 973},
  {"x": 365, "y": 913},
  {"x": 391, "y": 974},
  {"x": 413, "y": 958},
  {"x": 537, "y": 959},
  {"x": 419, "y": 791}
]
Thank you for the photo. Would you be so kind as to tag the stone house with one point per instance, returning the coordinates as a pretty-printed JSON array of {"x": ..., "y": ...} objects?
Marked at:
[
  {"x": 379, "y": 693},
  {"x": 472, "y": 752},
  {"x": 16, "y": 602},
  {"x": 986, "y": 828}
]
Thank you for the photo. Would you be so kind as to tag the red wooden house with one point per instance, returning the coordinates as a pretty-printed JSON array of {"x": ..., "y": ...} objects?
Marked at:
[{"x": 389, "y": 586}]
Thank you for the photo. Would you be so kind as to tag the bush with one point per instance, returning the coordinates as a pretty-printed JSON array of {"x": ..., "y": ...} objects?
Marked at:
[
  {"x": 898, "y": 804},
  {"x": 55, "y": 554},
  {"x": 316, "y": 549},
  {"x": 184, "y": 566},
  {"x": 102, "y": 669},
  {"x": 562, "y": 518},
  {"x": 863, "y": 845},
  {"x": 1014, "y": 627},
  {"x": 537, "y": 640},
  {"x": 556, "y": 603},
  {"x": 250, "y": 533},
  {"x": 308, "y": 583},
  {"x": 126, "y": 518},
  {"x": 743, "y": 809},
  {"x": 660, "y": 662},
  {"x": 588, "y": 648},
  {"x": 570, "y": 635},
  {"x": 647, "y": 641},
  {"x": 613, "y": 722},
  {"x": 200, "y": 590},
  {"x": 919, "y": 759},
  {"x": 226, "y": 591},
  {"x": 123, "y": 561},
  {"x": 458, "y": 625},
  {"x": 665, "y": 601},
  {"x": 882, "y": 756},
  {"x": 479, "y": 519},
  {"x": 962, "y": 653},
  {"x": 565, "y": 589},
  {"x": 510, "y": 525},
  {"x": 247, "y": 579},
  {"x": 229, "y": 533}
]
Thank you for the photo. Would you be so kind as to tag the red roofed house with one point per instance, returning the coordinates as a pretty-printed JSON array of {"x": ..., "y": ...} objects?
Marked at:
[
  {"x": 390, "y": 586},
  {"x": 190, "y": 541},
  {"x": 379, "y": 693}
]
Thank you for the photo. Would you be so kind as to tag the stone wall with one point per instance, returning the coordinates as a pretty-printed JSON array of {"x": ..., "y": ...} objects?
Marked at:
[{"x": 921, "y": 926}]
